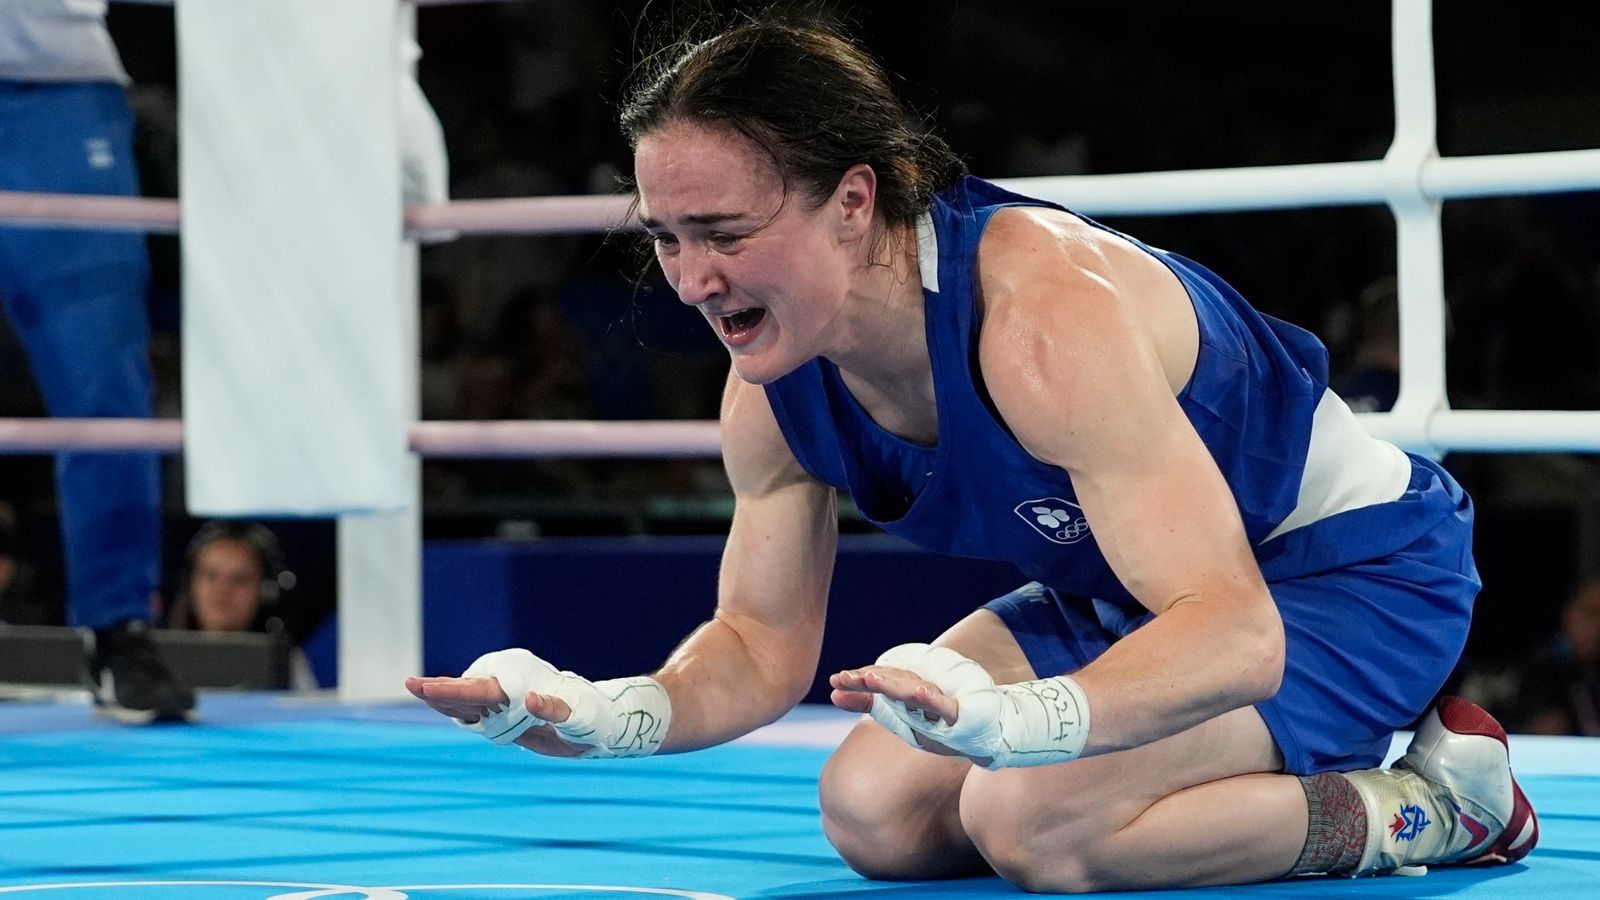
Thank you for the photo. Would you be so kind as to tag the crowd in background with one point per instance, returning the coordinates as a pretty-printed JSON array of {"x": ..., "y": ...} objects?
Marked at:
[{"x": 580, "y": 327}]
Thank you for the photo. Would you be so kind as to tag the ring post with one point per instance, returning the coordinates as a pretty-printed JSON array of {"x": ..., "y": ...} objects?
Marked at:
[{"x": 299, "y": 352}]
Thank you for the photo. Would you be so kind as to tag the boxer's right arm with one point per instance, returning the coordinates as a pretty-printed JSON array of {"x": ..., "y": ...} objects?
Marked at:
[
  {"x": 758, "y": 654},
  {"x": 748, "y": 665}
]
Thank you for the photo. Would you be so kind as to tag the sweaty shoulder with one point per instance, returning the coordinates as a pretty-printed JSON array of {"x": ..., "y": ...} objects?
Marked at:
[{"x": 1050, "y": 282}]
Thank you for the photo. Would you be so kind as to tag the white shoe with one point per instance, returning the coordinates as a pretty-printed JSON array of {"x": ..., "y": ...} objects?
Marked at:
[{"x": 1450, "y": 799}]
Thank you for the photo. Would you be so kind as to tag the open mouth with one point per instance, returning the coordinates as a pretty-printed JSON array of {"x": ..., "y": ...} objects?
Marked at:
[{"x": 737, "y": 323}]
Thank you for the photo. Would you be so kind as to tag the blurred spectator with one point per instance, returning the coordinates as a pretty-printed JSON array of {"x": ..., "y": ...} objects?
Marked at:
[
  {"x": 236, "y": 580},
  {"x": 8, "y": 546},
  {"x": 547, "y": 358},
  {"x": 439, "y": 338},
  {"x": 8, "y": 549},
  {"x": 1373, "y": 380},
  {"x": 1528, "y": 310},
  {"x": 1560, "y": 687},
  {"x": 500, "y": 159},
  {"x": 17, "y": 605}
]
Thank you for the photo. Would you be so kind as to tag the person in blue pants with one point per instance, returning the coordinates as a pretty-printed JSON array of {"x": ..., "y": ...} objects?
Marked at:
[{"x": 77, "y": 300}]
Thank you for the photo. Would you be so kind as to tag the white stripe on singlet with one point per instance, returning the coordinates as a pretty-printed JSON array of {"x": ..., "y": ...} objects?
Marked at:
[
  {"x": 927, "y": 253},
  {"x": 1346, "y": 468}
]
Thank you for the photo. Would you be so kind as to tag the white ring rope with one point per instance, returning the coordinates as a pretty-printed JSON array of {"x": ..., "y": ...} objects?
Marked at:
[
  {"x": 1134, "y": 194},
  {"x": 480, "y": 440},
  {"x": 1506, "y": 431}
]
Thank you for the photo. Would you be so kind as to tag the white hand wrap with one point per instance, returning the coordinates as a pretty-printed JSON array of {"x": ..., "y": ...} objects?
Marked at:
[
  {"x": 613, "y": 718},
  {"x": 1034, "y": 723}
]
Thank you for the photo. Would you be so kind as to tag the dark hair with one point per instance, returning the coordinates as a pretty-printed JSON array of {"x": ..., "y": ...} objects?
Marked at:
[
  {"x": 275, "y": 576},
  {"x": 814, "y": 101}
]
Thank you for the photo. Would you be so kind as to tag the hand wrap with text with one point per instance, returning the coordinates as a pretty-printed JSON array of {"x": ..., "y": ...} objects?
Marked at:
[
  {"x": 1033, "y": 723},
  {"x": 613, "y": 718}
]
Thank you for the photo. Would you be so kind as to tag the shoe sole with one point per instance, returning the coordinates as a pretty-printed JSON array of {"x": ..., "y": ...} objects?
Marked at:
[
  {"x": 107, "y": 707},
  {"x": 1521, "y": 833},
  {"x": 125, "y": 716}
]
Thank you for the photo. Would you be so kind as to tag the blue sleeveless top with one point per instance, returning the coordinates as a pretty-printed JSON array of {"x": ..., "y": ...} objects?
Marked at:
[{"x": 1254, "y": 394}]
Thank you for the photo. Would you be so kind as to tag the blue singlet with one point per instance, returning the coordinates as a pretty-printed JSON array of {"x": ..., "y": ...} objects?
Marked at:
[{"x": 1367, "y": 550}]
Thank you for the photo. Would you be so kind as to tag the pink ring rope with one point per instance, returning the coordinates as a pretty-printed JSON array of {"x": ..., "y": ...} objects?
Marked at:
[
  {"x": 520, "y": 215},
  {"x": 89, "y": 212},
  {"x": 454, "y": 440}
]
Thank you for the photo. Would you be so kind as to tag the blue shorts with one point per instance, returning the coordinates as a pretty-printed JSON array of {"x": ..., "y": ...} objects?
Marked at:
[
  {"x": 1369, "y": 643},
  {"x": 77, "y": 301}
]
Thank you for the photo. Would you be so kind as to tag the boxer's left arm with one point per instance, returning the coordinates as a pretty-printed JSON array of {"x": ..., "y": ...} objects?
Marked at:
[{"x": 1077, "y": 362}]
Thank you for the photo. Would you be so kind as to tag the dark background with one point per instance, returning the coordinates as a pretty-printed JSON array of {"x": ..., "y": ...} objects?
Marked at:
[{"x": 518, "y": 327}]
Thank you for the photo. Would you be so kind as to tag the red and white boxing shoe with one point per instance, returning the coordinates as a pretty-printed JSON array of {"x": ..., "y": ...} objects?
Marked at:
[{"x": 1450, "y": 800}]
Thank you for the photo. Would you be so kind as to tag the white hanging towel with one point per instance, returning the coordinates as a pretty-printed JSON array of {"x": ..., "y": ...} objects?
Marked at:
[{"x": 294, "y": 394}]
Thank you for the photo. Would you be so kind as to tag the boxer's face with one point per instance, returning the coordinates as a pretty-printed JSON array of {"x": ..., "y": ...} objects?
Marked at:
[{"x": 769, "y": 269}]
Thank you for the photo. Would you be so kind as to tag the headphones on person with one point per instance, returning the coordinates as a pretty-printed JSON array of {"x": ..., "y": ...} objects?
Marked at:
[{"x": 275, "y": 576}]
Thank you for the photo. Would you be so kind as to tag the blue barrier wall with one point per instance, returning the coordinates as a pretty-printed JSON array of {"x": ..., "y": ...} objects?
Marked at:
[{"x": 606, "y": 607}]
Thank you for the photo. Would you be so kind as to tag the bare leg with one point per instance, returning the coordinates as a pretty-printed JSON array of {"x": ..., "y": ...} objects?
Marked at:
[
  {"x": 891, "y": 810},
  {"x": 1068, "y": 827},
  {"x": 1195, "y": 808},
  {"x": 1200, "y": 807}
]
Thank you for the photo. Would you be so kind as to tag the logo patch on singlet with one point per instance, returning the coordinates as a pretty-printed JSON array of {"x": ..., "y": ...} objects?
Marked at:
[
  {"x": 1060, "y": 521},
  {"x": 98, "y": 153}
]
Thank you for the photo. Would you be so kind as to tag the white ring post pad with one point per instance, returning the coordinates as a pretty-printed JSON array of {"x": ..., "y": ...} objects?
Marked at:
[{"x": 295, "y": 395}]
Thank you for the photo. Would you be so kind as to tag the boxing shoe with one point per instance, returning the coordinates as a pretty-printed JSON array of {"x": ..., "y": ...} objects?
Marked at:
[
  {"x": 128, "y": 679},
  {"x": 1450, "y": 799}
]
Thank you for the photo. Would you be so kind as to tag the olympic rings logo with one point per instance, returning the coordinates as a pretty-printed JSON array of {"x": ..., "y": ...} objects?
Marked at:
[{"x": 1061, "y": 521}]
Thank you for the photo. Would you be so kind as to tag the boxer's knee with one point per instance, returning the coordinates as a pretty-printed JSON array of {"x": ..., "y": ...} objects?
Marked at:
[
  {"x": 890, "y": 811},
  {"x": 1044, "y": 844}
]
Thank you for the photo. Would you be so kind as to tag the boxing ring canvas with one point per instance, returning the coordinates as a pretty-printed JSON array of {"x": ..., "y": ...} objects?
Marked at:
[{"x": 281, "y": 798}]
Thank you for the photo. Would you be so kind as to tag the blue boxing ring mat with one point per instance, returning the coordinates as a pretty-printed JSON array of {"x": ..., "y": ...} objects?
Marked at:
[{"x": 275, "y": 796}]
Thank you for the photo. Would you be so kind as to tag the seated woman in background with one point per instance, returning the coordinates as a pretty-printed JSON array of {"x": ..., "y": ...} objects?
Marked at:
[{"x": 234, "y": 581}]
